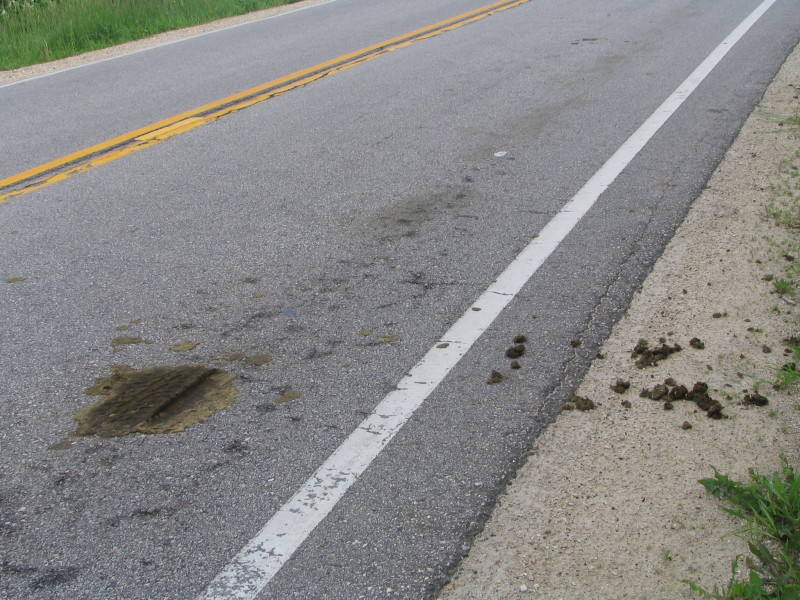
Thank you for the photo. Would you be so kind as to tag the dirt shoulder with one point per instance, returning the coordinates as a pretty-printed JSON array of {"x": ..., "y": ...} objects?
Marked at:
[{"x": 608, "y": 505}]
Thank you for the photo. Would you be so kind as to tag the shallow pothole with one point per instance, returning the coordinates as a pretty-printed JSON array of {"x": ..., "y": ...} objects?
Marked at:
[{"x": 160, "y": 399}]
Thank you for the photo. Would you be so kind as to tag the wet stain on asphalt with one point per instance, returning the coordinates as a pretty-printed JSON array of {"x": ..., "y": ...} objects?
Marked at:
[
  {"x": 159, "y": 399},
  {"x": 185, "y": 346},
  {"x": 125, "y": 340},
  {"x": 288, "y": 396}
]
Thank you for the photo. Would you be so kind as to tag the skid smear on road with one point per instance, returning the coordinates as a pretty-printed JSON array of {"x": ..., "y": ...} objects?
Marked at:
[{"x": 155, "y": 133}]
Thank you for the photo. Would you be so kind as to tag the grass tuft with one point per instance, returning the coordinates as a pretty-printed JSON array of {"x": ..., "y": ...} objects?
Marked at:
[{"x": 770, "y": 508}]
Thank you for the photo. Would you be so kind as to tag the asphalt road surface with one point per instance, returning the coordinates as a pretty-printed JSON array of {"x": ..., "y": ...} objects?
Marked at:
[{"x": 341, "y": 228}]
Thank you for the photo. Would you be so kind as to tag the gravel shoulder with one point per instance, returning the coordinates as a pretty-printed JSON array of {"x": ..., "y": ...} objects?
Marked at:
[{"x": 608, "y": 504}]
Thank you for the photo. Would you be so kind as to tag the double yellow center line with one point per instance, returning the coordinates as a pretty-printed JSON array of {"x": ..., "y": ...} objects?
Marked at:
[{"x": 155, "y": 133}]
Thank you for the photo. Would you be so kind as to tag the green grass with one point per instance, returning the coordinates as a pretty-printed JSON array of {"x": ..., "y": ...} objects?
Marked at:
[
  {"x": 35, "y": 31},
  {"x": 770, "y": 508},
  {"x": 784, "y": 208},
  {"x": 784, "y": 287},
  {"x": 788, "y": 375}
]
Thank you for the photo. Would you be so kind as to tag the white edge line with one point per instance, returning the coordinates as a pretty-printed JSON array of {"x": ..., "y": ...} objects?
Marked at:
[
  {"x": 263, "y": 556},
  {"x": 162, "y": 45}
]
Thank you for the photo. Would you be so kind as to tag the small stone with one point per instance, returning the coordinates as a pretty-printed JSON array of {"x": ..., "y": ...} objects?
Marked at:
[
  {"x": 523, "y": 588},
  {"x": 575, "y": 343},
  {"x": 668, "y": 405},
  {"x": 686, "y": 425},
  {"x": 495, "y": 377},
  {"x": 715, "y": 412},
  {"x": 581, "y": 403},
  {"x": 620, "y": 387},
  {"x": 766, "y": 349},
  {"x": 640, "y": 348},
  {"x": 697, "y": 343},
  {"x": 755, "y": 399},
  {"x": 515, "y": 351},
  {"x": 515, "y": 364},
  {"x": 520, "y": 339},
  {"x": 658, "y": 392},
  {"x": 649, "y": 357},
  {"x": 626, "y": 403},
  {"x": 679, "y": 392}
]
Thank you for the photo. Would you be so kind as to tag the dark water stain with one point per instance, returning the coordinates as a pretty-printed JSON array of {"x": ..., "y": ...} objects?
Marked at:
[
  {"x": 62, "y": 445},
  {"x": 124, "y": 340},
  {"x": 379, "y": 338},
  {"x": 160, "y": 399},
  {"x": 256, "y": 360},
  {"x": 53, "y": 577},
  {"x": 185, "y": 346},
  {"x": 252, "y": 360},
  {"x": 288, "y": 396},
  {"x": 405, "y": 216}
]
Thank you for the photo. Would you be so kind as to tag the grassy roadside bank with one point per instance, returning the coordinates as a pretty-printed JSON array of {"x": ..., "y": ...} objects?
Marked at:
[{"x": 37, "y": 31}]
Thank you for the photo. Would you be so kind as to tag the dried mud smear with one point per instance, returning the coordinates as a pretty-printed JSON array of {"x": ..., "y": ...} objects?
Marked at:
[
  {"x": 155, "y": 400},
  {"x": 124, "y": 340},
  {"x": 185, "y": 346}
]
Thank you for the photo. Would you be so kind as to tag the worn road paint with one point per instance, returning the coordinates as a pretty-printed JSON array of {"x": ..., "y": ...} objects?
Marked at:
[
  {"x": 263, "y": 556},
  {"x": 84, "y": 160}
]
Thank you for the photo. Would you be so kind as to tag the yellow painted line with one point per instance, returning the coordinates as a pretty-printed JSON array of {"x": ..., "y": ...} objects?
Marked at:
[{"x": 84, "y": 160}]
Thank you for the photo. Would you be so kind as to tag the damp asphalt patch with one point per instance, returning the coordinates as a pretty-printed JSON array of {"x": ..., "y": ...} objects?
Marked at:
[
  {"x": 288, "y": 396},
  {"x": 252, "y": 360},
  {"x": 159, "y": 399},
  {"x": 125, "y": 340},
  {"x": 185, "y": 346}
]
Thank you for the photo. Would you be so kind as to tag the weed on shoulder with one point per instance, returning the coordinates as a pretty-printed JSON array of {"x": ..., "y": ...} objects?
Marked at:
[{"x": 770, "y": 508}]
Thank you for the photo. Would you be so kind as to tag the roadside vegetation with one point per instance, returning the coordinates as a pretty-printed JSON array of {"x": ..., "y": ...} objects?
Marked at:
[
  {"x": 770, "y": 508},
  {"x": 784, "y": 211},
  {"x": 36, "y": 31},
  {"x": 769, "y": 505}
]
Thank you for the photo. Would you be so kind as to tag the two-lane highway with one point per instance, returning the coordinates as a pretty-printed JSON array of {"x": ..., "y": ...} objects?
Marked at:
[{"x": 343, "y": 249}]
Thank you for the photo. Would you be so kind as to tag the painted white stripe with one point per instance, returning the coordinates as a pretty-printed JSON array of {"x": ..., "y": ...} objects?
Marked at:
[
  {"x": 258, "y": 562},
  {"x": 170, "y": 43}
]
